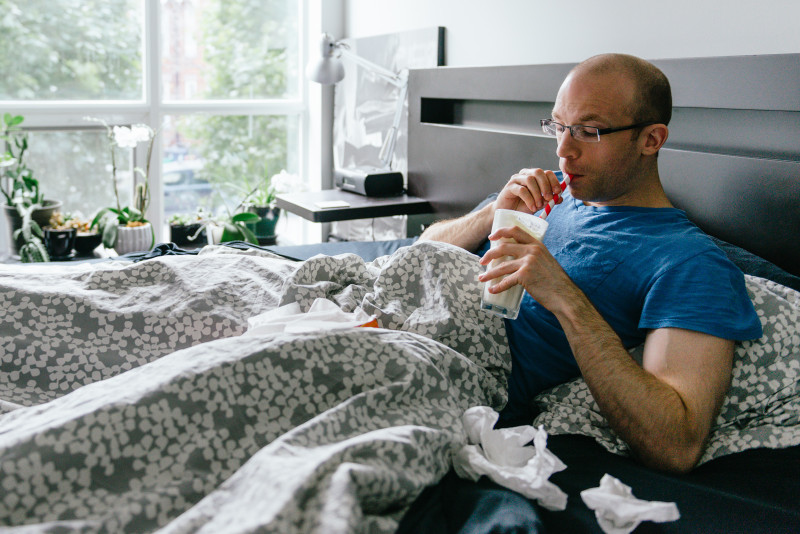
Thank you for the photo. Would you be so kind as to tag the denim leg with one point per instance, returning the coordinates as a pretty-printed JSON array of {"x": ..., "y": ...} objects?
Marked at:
[{"x": 461, "y": 506}]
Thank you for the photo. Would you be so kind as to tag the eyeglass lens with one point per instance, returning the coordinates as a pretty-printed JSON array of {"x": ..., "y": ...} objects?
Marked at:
[{"x": 578, "y": 132}]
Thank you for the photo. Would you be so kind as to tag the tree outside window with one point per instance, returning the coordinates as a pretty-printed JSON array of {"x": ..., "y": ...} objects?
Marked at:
[{"x": 78, "y": 58}]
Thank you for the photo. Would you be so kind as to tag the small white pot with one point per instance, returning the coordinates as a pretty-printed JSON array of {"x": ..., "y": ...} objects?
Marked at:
[
  {"x": 134, "y": 239},
  {"x": 214, "y": 233}
]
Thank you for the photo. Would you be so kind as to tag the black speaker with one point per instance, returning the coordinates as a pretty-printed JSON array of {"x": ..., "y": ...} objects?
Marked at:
[{"x": 369, "y": 181}]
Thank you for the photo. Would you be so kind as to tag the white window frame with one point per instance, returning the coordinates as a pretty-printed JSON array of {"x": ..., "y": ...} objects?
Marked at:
[{"x": 151, "y": 110}]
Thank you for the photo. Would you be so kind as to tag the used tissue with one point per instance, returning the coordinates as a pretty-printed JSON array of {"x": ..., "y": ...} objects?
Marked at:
[
  {"x": 619, "y": 512},
  {"x": 322, "y": 315},
  {"x": 505, "y": 456}
]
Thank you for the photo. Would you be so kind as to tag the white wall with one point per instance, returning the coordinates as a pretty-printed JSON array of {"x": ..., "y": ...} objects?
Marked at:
[{"x": 514, "y": 32}]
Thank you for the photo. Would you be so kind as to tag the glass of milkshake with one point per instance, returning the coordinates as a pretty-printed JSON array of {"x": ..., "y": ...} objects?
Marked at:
[{"x": 506, "y": 303}]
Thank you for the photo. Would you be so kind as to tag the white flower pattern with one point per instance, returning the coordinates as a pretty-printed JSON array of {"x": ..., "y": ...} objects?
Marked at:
[{"x": 134, "y": 404}]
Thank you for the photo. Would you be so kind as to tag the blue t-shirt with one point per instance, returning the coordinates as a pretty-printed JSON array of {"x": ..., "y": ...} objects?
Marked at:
[{"x": 642, "y": 268}]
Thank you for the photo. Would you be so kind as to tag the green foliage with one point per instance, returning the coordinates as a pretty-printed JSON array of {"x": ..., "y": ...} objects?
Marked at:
[
  {"x": 250, "y": 52},
  {"x": 21, "y": 189},
  {"x": 32, "y": 249},
  {"x": 70, "y": 49},
  {"x": 181, "y": 219},
  {"x": 17, "y": 182},
  {"x": 237, "y": 154},
  {"x": 186, "y": 219},
  {"x": 260, "y": 194},
  {"x": 91, "y": 49},
  {"x": 71, "y": 168},
  {"x": 249, "y": 47},
  {"x": 235, "y": 229}
]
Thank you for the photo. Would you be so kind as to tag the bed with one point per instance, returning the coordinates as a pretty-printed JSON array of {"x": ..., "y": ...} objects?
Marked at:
[{"x": 178, "y": 392}]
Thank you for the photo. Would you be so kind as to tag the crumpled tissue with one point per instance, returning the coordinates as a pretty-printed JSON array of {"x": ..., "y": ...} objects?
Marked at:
[
  {"x": 505, "y": 457},
  {"x": 619, "y": 512},
  {"x": 322, "y": 315}
]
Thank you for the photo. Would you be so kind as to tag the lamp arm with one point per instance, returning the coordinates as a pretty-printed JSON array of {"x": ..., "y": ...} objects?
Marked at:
[
  {"x": 387, "y": 150},
  {"x": 391, "y": 77},
  {"x": 329, "y": 47}
]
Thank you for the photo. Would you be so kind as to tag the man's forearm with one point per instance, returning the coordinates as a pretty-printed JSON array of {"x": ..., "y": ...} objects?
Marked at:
[
  {"x": 467, "y": 232},
  {"x": 646, "y": 412}
]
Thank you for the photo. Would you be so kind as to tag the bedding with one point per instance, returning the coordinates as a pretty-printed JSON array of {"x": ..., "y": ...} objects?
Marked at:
[{"x": 133, "y": 398}]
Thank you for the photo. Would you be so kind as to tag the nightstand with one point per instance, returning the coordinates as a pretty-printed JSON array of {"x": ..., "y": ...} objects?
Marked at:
[{"x": 336, "y": 205}]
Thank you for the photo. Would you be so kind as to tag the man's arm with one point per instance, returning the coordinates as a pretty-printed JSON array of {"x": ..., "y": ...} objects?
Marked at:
[
  {"x": 664, "y": 409},
  {"x": 529, "y": 191},
  {"x": 467, "y": 232}
]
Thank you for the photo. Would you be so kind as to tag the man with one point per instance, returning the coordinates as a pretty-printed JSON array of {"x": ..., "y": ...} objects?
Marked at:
[{"x": 618, "y": 266}]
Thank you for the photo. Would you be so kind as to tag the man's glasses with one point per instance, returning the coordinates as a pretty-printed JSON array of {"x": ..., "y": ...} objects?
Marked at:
[{"x": 587, "y": 134}]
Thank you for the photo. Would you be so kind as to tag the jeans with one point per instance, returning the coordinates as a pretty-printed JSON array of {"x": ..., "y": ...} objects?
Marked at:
[{"x": 456, "y": 505}]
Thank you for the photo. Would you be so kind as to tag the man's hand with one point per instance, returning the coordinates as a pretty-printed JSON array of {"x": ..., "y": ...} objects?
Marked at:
[
  {"x": 529, "y": 191},
  {"x": 532, "y": 266}
]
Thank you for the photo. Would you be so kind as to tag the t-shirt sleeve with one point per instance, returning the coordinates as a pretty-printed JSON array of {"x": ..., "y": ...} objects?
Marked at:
[
  {"x": 483, "y": 248},
  {"x": 706, "y": 293}
]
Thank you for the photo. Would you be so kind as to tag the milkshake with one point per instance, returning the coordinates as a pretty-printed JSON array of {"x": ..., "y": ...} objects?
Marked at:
[{"x": 506, "y": 303}]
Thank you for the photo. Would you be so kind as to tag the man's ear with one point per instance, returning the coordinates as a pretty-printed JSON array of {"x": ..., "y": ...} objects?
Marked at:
[{"x": 654, "y": 137}]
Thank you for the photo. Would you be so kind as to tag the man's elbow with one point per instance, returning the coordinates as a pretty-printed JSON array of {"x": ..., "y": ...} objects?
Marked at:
[
  {"x": 684, "y": 461},
  {"x": 678, "y": 458}
]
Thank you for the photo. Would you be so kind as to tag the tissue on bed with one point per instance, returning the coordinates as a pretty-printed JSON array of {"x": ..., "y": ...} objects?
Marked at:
[
  {"x": 505, "y": 456},
  {"x": 619, "y": 512},
  {"x": 322, "y": 315}
]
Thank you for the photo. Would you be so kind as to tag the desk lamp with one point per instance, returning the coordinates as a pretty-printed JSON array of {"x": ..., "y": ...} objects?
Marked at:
[{"x": 328, "y": 70}]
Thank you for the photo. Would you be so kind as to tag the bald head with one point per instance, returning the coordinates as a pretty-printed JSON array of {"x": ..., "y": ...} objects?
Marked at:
[{"x": 652, "y": 96}]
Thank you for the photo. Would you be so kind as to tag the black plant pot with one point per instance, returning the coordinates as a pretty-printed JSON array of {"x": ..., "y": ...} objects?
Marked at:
[
  {"x": 59, "y": 243},
  {"x": 85, "y": 243},
  {"x": 181, "y": 234}
]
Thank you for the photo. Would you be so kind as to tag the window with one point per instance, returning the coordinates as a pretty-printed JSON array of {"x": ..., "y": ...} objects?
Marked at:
[
  {"x": 225, "y": 95},
  {"x": 68, "y": 50}
]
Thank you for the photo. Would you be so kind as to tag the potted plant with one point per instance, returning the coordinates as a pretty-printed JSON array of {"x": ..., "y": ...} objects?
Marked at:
[
  {"x": 86, "y": 239},
  {"x": 240, "y": 224},
  {"x": 233, "y": 228},
  {"x": 125, "y": 229},
  {"x": 261, "y": 201},
  {"x": 59, "y": 237},
  {"x": 186, "y": 229},
  {"x": 26, "y": 209}
]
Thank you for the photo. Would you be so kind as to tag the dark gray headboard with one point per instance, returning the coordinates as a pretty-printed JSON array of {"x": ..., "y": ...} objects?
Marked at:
[{"x": 732, "y": 161}]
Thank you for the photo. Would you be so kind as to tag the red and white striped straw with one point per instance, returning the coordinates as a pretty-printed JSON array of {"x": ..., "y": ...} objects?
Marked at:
[{"x": 549, "y": 207}]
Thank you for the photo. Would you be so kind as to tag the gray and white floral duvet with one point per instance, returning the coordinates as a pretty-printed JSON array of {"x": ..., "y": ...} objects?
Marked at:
[{"x": 130, "y": 401}]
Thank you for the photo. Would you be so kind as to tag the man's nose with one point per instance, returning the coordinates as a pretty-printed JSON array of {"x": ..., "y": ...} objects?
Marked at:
[{"x": 568, "y": 147}]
